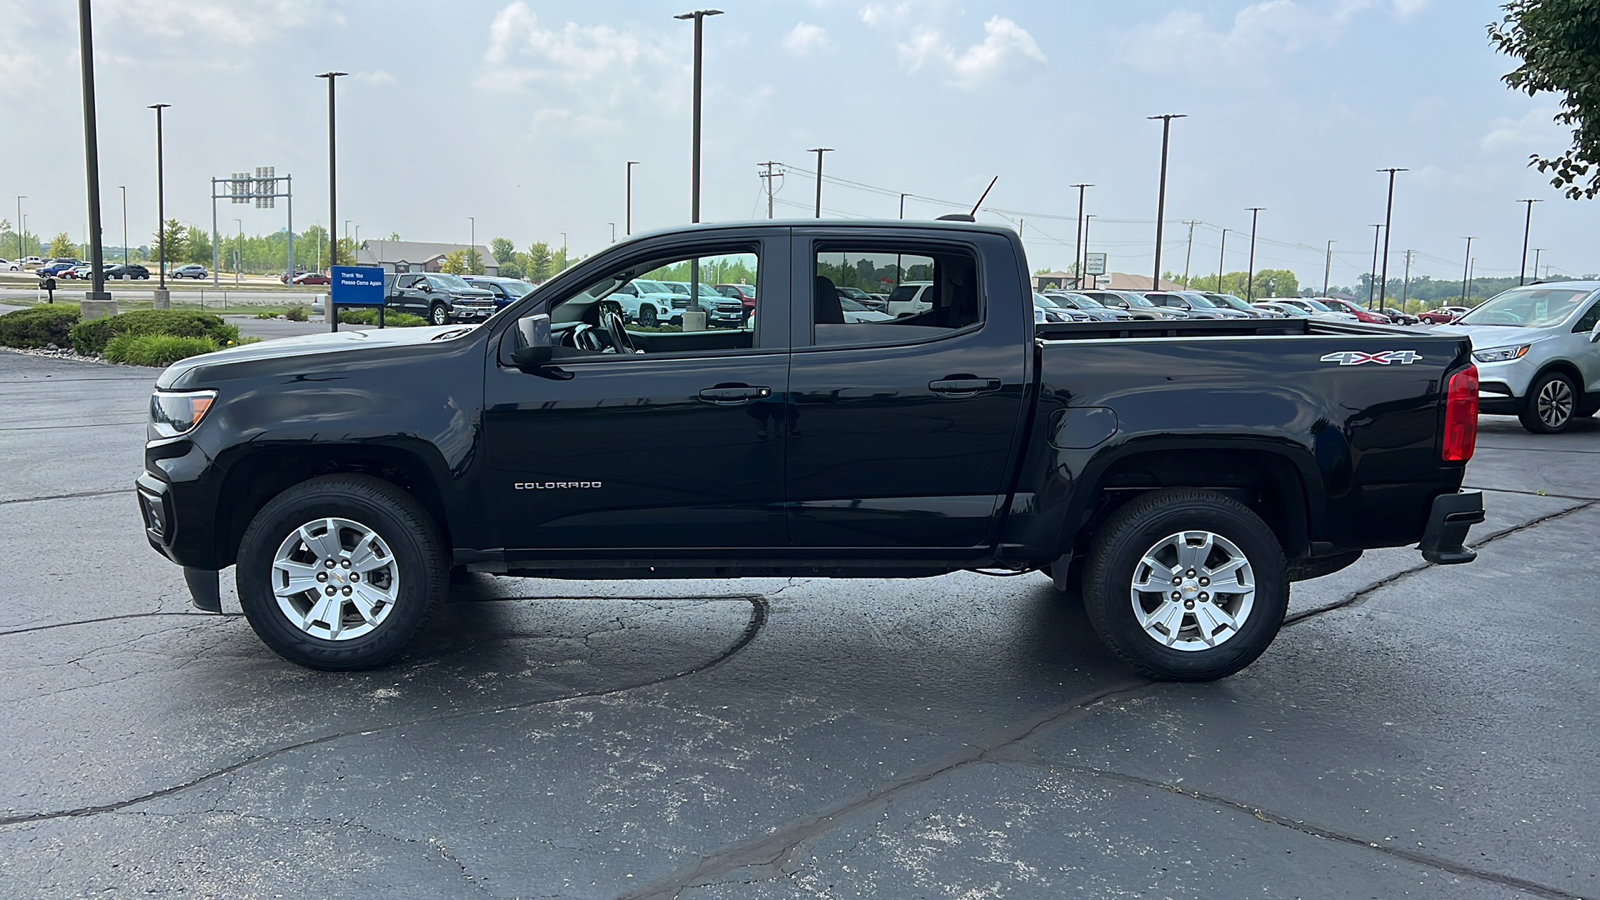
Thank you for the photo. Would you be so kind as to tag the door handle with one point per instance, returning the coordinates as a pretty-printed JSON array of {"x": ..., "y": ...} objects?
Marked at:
[
  {"x": 964, "y": 386},
  {"x": 734, "y": 394}
]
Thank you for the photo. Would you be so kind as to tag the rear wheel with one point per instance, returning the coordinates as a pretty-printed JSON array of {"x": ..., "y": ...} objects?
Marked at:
[
  {"x": 1186, "y": 585},
  {"x": 1551, "y": 402},
  {"x": 340, "y": 572}
]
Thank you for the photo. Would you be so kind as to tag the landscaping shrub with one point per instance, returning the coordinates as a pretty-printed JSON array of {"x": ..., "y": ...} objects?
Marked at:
[
  {"x": 295, "y": 314},
  {"x": 155, "y": 349},
  {"x": 370, "y": 317},
  {"x": 93, "y": 337},
  {"x": 33, "y": 328}
]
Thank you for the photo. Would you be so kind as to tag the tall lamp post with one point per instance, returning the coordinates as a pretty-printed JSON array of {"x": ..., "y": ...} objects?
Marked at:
[
  {"x": 1388, "y": 214},
  {"x": 1466, "y": 263},
  {"x": 472, "y": 242},
  {"x": 1222, "y": 254},
  {"x": 1527, "y": 229},
  {"x": 1250, "y": 279},
  {"x": 1327, "y": 269},
  {"x": 238, "y": 252},
  {"x": 20, "y": 228},
  {"x": 124, "y": 189},
  {"x": 1078, "y": 263},
  {"x": 97, "y": 303},
  {"x": 819, "y": 151},
  {"x": 333, "y": 208},
  {"x": 163, "y": 299},
  {"x": 699, "y": 17},
  {"x": 1161, "y": 197},
  {"x": 1372, "y": 279},
  {"x": 628, "y": 206}
]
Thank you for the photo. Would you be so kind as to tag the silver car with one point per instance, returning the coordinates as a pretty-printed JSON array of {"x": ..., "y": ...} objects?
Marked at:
[{"x": 1538, "y": 353}]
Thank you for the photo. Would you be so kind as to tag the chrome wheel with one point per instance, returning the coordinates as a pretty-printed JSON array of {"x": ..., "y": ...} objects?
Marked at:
[
  {"x": 335, "y": 579},
  {"x": 1192, "y": 590},
  {"x": 1554, "y": 403}
]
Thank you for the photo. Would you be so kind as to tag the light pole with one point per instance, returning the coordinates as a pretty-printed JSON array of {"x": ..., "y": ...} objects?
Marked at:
[
  {"x": 1086, "y": 218},
  {"x": 1388, "y": 214},
  {"x": 102, "y": 304},
  {"x": 1536, "y": 252},
  {"x": 628, "y": 206},
  {"x": 1161, "y": 197},
  {"x": 903, "y": 205},
  {"x": 238, "y": 252},
  {"x": 819, "y": 151},
  {"x": 1250, "y": 280},
  {"x": 163, "y": 300},
  {"x": 613, "y": 231},
  {"x": 1222, "y": 253},
  {"x": 124, "y": 189},
  {"x": 20, "y": 228},
  {"x": 1079, "y": 263},
  {"x": 1372, "y": 279},
  {"x": 472, "y": 242},
  {"x": 1466, "y": 263},
  {"x": 699, "y": 17},
  {"x": 1327, "y": 269},
  {"x": 1527, "y": 229},
  {"x": 333, "y": 207}
]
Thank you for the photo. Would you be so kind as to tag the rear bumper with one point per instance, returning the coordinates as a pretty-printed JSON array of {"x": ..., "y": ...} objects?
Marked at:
[{"x": 1452, "y": 516}]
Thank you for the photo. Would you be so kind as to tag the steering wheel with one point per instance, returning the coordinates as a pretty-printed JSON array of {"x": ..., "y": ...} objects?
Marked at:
[{"x": 616, "y": 332}]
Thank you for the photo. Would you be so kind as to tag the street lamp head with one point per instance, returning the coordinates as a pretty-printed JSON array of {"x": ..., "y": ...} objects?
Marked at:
[
  {"x": 699, "y": 13},
  {"x": 331, "y": 75},
  {"x": 158, "y": 106},
  {"x": 1170, "y": 116}
]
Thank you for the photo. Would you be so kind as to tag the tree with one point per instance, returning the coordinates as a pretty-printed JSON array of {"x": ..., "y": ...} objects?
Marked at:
[
  {"x": 473, "y": 261},
  {"x": 393, "y": 236},
  {"x": 539, "y": 264},
  {"x": 173, "y": 236},
  {"x": 347, "y": 252},
  {"x": 1558, "y": 42},
  {"x": 198, "y": 245},
  {"x": 62, "y": 245},
  {"x": 455, "y": 263},
  {"x": 504, "y": 251}
]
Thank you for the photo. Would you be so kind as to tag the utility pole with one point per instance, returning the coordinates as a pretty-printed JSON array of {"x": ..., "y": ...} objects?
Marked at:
[
  {"x": 472, "y": 242},
  {"x": 768, "y": 175},
  {"x": 1470, "y": 264},
  {"x": 1466, "y": 266},
  {"x": 125, "y": 231},
  {"x": 613, "y": 231},
  {"x": 1372, "y": 279},
  {"x": 1405, "y": 290},
  {"x": 1383, "y": 282},
  {"x": 1221, "y": 254},
  {"x": 20, "y": 229},
  {"x": 1086, "y": 218},
  {"x": 1080, "y": 259},
  {"x": 902, "y": 204},
  {"x": 333, "y": 209},
  {"x": 1161, "y": 197},
  {"x": 699, "y": 17},
  {"x": 163, "y": 300},
  {"x": 819, "y": 151},
  {"x": 1250, "y": 280},
  {"x": 1188, "y": 253},
  {"x": 1327, "y": 269},
  {"x": 97, "y": 295},
  {"x": 628, "y": 212},
  {"x": 1536, "y": 252},
  {"x": 1527, "y": 229}
]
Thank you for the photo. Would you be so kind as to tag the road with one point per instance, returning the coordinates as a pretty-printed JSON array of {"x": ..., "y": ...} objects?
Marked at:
[{"x": 1416, "y": 731}]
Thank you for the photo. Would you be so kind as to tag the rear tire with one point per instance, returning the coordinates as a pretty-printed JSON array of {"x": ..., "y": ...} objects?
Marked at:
[
  {"x": 1550, "y": 405},
  {"x": 388, "y": 567},
  {"x": 1226, "y": 605}
]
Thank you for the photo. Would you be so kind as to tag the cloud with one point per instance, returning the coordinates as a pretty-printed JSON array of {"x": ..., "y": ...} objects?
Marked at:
[
  {"x": 1536, "y": 129},
  {"x": 1185, "y": 40},
  {"x": 805, "y": 38},
  {"x": 375, "y": 77},
  {"x": 1006, "y": 47},
  {"x": 226, "y": 21}
]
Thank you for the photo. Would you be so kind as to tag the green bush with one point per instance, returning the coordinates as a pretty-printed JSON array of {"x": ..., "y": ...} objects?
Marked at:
[
  {"x": 370, "y": 317},
  {"x": 295, "y": 314},
  {"x": 155, "y": 349},
  {"x": 93, "y": 337},
  {"x": 36, "y": 326}
]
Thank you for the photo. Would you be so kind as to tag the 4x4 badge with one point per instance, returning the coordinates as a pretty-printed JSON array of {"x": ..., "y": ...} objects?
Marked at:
[{"x": 1382, "y": 357}]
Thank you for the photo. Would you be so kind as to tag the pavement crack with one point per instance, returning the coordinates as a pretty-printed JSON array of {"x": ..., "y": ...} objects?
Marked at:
[
  {"x": 773, "y": 851},
  {"x": 144, "y": 615},
  {"x": 1360, "y": 596},
  {"x": 1478, "y": 487},
  {"x": 63, "y": 496},
  {"x": 753, "y": 627}
]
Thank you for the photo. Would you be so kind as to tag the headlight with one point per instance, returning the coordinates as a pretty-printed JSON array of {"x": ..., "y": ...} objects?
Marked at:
[
  {"x": 1500, "y": 354},
  {"x": 174, "y": 414}
]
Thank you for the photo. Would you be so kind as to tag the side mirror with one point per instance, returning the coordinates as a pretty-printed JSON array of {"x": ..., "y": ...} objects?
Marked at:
[{"x": 533, "y": 348}]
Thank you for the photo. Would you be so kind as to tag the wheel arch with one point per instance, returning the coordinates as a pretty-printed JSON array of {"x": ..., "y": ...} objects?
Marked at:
[{"x": 1565, "y": 367}]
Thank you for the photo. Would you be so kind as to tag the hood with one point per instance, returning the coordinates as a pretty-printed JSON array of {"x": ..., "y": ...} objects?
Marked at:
[
  {"x": 1486, "y": 337},
  {"x": 313, "y": 345}
]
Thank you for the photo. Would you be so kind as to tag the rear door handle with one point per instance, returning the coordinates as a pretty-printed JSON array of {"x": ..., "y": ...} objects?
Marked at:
[
  {"x": 964, "y": 386},
  {"x": 734, "y": 394}
]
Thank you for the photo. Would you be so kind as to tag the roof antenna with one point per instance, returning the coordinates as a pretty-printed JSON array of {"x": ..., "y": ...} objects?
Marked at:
[{"x": 970, "y": 216}]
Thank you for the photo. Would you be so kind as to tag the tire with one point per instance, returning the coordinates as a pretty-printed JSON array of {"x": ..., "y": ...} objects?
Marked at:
[
  {"x": 383, "y": 532},
  {"x": 648, "y": 317},
  {"x": 439, "y": 314},
  {"x": 1550, "y": 405},
  {"x": 1165, "y": 638}
]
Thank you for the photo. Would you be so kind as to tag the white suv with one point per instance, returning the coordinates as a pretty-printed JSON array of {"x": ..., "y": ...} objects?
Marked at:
[{"x": 909, "y": 299}]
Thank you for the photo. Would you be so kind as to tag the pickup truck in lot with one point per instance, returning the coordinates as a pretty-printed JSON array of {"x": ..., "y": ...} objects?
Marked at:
[
  {"x": 439, "y": 297},
  {"x": 1178, "y": 475}
]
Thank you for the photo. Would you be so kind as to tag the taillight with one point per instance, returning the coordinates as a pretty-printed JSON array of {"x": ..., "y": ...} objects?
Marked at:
[{"x": 1461, "y": 416}]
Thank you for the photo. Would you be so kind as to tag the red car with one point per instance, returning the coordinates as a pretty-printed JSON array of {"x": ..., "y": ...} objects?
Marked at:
[
  {"x": 745, "y": 293},
  {"x": 1355, "y": 309},
  {"x": 1444, "y": 315},
  {"x": 312, "y": 278}
]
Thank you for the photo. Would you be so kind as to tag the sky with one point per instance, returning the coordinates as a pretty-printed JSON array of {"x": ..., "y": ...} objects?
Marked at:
[{"x": 516, "y": 119}]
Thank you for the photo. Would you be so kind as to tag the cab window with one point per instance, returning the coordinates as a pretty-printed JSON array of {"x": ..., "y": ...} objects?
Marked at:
[{"x": 907, "y": 293}]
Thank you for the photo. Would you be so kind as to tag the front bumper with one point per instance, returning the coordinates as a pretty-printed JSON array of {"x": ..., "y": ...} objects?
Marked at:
[{"x": 1452, "y": 515}]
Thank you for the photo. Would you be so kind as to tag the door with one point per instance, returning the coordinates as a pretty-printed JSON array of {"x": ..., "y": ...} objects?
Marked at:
[
  {"x": 904, "y": 430},
  {"x": 674, "y": 451}
]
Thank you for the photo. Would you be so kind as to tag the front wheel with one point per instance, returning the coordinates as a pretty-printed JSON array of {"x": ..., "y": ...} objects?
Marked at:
[
  {"x": 1186, "y": 585},
  {"x": 439, "y": 314},
  {"x": 339, "y": 572},
  {"x": 1551, "y": 402},
  {"x": 648, "y": 317}
]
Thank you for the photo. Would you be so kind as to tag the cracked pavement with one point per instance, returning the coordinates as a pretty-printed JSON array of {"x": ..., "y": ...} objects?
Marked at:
[{"x": 1416, "y": 731}]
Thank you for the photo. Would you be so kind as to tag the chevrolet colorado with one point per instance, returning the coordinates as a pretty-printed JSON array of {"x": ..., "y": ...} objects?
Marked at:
[{"x": 1178, "y": 474}]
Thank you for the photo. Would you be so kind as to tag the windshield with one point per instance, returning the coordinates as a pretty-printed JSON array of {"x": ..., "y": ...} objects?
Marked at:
[
  {"x": 1230, "y": 300},
  {"x": 1198, "y": 300},
  {"x": 650, "y": 287},
  {"x": 1084, "y": 301},
  {"x": 1044, "y": 302},
  {"x": 1138, "y": 300},
  {"x": 847, "y": 303},
  {"x": 1289, "y": 308},
  {"x": 450, "y": 282},
  {"x": 517, "y": 288},
  {"x": 1318, "y": 306},
  {"x": 1529, "y": 307}
]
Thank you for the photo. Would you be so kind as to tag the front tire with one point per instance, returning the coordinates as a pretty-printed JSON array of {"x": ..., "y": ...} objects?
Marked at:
[
  {"x": 339, "y": 572},
  {"x": 1186, "y": 585},
  {"x": 439, "y": 314},
  {"x": 1552, "y": 400}
]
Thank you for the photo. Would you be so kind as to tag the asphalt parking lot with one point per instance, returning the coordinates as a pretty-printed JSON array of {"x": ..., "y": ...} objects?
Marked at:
[{"x": 1415, "y": 732}]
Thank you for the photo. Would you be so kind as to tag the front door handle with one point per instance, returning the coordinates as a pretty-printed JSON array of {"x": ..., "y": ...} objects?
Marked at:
[
  {"x": 734, "y": 394},
  {"x": 964, "y": 386}
]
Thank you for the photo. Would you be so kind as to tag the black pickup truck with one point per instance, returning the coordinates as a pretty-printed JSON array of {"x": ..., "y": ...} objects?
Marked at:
[{"x": 1180, "y": 475}]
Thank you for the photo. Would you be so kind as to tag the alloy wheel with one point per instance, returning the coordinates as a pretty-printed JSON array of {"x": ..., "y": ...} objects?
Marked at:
[
  {"x": 335, "y": 579},
  {"x": 1192, "y": 590}
]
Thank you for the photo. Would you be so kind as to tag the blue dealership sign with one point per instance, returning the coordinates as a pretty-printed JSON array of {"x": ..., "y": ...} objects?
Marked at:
[{"x": 357, "y": 286}]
